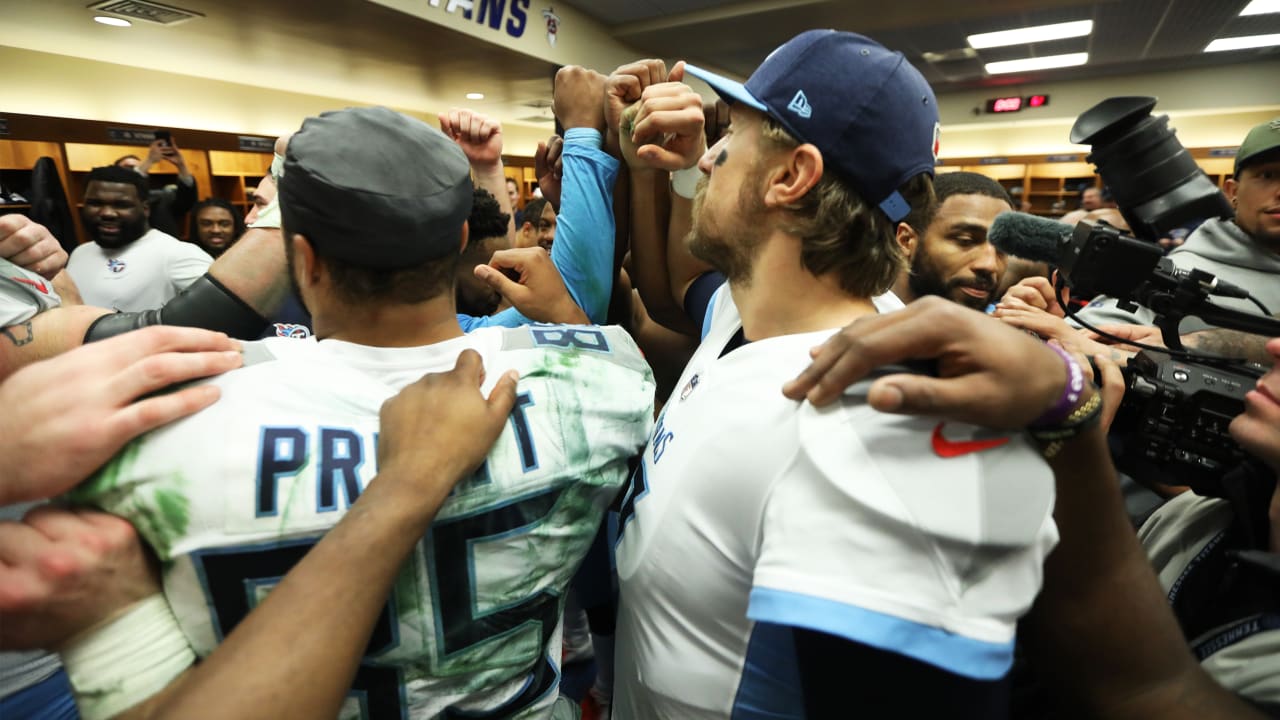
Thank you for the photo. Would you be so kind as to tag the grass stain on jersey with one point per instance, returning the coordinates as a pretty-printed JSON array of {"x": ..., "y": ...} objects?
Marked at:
[
  {"x": 157, "y": 505},
  {"x": 164, "y": 518},
  {"x": 173, "y": 511},
  {"x": 109, "y": 478},
  {"x": 296, "y": 495},
  {"x": 411, "y": 607},
  {"x": 582, "y": 503}
]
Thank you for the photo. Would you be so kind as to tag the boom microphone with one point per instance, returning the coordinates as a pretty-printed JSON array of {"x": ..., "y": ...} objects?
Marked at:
[
  {"x": 1029, "y": 237},
  {"x": 1077, "y": 252}
]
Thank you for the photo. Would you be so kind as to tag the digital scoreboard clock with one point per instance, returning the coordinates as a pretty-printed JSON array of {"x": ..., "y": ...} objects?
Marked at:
[{"x": 1016, "y": 103}]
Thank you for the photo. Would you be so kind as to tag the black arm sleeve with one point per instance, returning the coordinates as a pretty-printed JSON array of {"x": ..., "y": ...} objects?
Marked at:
[
  {"x": 205, "y": 303},
  {"x": 841, "y": 678}
]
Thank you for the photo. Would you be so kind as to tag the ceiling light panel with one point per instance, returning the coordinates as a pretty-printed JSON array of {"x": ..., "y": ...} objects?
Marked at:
[
  {"x": 1261, "y": 7},
  {"x": 1243, "y": 43},
  {"x": 1038, "y": 63},
  {"x": 1023, "y": 36}
]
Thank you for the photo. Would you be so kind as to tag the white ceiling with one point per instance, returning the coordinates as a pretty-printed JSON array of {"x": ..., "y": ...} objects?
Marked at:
[
  {"x": 360, "y": 51},
  {"x": 1129, "y": 37}
]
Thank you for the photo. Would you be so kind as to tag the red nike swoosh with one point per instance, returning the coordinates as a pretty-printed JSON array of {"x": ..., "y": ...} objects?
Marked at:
[
  {"x": 955, "y": 448},
  {"x": 37, "y": 285}
]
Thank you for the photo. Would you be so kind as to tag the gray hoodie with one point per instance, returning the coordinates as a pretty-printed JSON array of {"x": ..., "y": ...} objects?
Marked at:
[{"x": 1219, "y": 247}]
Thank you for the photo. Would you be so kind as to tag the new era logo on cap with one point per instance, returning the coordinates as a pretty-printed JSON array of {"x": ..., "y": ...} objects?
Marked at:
[
  {"x": 800, "y": 105},
  {"x": 878, "y": 122}
]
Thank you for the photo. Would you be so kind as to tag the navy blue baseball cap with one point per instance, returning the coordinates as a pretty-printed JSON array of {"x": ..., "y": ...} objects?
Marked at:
[{"x": 869, "y": 112}]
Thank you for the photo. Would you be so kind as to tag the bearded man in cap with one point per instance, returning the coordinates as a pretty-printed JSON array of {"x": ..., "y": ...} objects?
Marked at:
[
  {"x": 232, "y": 497},
  {"x": 776, "y": 560}
]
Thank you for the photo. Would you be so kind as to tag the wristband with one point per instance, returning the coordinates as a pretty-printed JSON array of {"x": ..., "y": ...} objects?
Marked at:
[
  {"x": 1070, "y": 393},
  {"x": 277, "y": 167},
  {"x": 127, "y": 660},
  {"x": 685, "y": 182}
]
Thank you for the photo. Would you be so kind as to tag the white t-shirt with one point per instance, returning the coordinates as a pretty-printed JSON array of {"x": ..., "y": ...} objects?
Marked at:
[
  {"x": 233, "y": 496},
  {"x": 23, "y": 294},
  {"x": 752, "y": 513},
  {"x": 142, "y": 275}
]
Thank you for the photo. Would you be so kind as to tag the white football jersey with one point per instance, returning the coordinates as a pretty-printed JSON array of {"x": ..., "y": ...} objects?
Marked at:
[
  {"x": 752, "y": 513},
  {"x": 232, "y": 497}
]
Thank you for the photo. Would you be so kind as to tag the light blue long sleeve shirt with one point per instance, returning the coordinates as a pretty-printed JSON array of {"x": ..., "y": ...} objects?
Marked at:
[{"x": 583, "y": 248}]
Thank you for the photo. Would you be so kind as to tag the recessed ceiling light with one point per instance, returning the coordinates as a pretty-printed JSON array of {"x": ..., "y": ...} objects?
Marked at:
[
  {"x": 475, "y": 96},
  {"x": 1243, "y": 43},
  {"x": 1040, "y": 33},
  {"x": 1037, "y": 63},
  {"x": 112, "y": 21},
  {"x": 1261, "y": 7}
]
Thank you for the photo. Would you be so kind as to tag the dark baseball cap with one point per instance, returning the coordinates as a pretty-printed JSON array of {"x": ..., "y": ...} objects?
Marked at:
[
  {"x": 869, "y": 112},
  {"x": 1262, "y": 140},
  {"x": 375, "y": 188}
]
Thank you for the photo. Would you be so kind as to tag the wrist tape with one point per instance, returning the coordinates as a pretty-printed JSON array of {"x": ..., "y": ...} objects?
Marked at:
[
  {"x": 127, "y": 660},
  {"x": 269, "y": 216},
  {"x": 685, "y": 182}
]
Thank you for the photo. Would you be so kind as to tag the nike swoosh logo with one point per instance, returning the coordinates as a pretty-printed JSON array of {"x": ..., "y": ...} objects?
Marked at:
[
  {"x": 37, "y": 285},
  {"x": 955, "y": 448}
]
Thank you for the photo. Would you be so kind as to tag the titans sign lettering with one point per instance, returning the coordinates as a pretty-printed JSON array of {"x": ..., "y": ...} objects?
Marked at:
[{"x": 491, "y": 13}]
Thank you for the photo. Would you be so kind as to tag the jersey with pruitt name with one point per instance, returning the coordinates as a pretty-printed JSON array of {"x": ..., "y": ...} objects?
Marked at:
[
  {"x": 752, "y": 514},
  {"x": 233, "y": 496}
]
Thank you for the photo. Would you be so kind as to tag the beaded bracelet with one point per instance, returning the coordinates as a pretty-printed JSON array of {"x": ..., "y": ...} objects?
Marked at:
[{"x": 1052, "y": 439}]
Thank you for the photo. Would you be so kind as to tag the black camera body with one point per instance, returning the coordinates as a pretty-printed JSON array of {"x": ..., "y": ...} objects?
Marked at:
[
  {"x": 1100, "y": 259},
  {"x": 1173, "y": 424}
]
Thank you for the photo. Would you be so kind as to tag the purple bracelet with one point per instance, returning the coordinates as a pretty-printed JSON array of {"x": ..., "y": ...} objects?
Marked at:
[{"x": 1070, "y": 394}]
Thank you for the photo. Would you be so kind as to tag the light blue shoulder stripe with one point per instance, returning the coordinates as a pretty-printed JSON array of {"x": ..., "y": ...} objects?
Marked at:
[
  {"x": 711, "y": 310},
  {"x": 954, "y": 653}
]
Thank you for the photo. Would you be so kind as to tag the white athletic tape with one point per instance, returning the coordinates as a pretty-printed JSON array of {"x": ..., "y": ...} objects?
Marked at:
[
  {"x": 685, "y": 182},
  {"x": 269, "y": 215},
  {"x": 277, "y": 168},
  {"x": 128, "y": 660}
]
